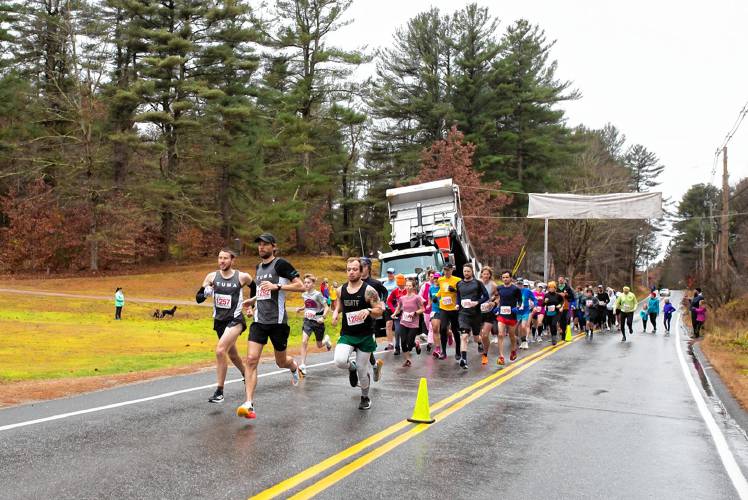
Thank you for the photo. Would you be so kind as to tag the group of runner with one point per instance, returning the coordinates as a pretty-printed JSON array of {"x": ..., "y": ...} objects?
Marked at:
[{"x": 443, "y": 311}]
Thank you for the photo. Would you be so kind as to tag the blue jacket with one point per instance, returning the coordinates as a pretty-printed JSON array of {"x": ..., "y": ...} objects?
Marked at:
[
  {"x": 653, "y": 305},
  {"x": 668, "y": 310}
]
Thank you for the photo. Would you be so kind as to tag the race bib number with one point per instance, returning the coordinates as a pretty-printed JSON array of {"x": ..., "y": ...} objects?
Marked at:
[
  {"x": 309, "y": 314},
  {"x": 263, "y": 294},
  {"x": 408, "y": 316},
  {"x": 485, "y": 307},
  {"x": 589, "y": 303},
  {"x": 505, "y": 310},
  {"x": 354, "y": 318},
  {"x": 466, "y": 303},
  {"x": 447, "y": 301},
  {"x": 222, "y": 301},
  {"x": 551, "y": 308}
]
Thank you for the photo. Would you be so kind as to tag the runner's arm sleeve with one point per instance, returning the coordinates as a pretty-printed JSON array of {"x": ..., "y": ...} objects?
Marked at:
[
  {"x": 200, "y": 295},
  {"x": 391, "y": 301},
  {"x": 286, "y": 270}
]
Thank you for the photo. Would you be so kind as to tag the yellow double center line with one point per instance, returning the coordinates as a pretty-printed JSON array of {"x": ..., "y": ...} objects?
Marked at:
[{"x": 472, "y": 392}]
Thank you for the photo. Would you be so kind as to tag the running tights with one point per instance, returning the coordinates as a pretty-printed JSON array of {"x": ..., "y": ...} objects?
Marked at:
[
  {"x": 667, "y": 323},
  {"x": 343, "y": 353},
  {"x": 449, "y": 318},
  {"x": 627, "y": 318},
  {"x": 653, "y": 320}
]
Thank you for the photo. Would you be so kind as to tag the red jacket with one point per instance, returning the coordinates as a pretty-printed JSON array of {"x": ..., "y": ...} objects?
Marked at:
[{"x": 394, "y": 297}]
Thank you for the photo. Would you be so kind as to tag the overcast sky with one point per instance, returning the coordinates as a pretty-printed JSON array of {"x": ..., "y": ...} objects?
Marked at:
[{"x": 668, "y": 74}]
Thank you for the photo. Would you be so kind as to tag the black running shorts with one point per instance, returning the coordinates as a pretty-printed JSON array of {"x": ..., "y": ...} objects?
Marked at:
[
  {"x": 471, "y": 322},
  {"x": 313, "y": 326},
  {"x": 220, "y": 326},
  {"x": 277, "y": 333}
]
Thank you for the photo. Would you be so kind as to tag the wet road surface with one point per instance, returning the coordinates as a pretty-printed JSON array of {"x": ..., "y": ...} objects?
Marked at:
[{"x": 599, "y": 419}]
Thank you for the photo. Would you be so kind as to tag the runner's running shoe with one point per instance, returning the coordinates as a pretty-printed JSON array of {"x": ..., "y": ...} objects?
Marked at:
[
  {"x": 463, "y": 364},
  {"x": 458, "y": 356},
  {"x": 378, "y": 370},
  {"x": 389, "y": 347},
  {"x": 365, "y": 403},
  {"x": 484, "y": 359},
  {"x": 217, "y": 397},
  {"x": 436, "y": 353},
  {"x": 302, "y": 369},
  {"x": 352, "y": 374},
  {"x": 513, "y": 356},
  {"x": 246, "y": 410},
  {"x": 327, "y": 342},
  {"x": 296, "y": 375},
  {"x": 524, "y": 345},
  {"x": 500, "y": 361},
  {"x": 406, "y": 364},
  {"x": 443, "y": 356},
  {"x": 418, "y": 347}
]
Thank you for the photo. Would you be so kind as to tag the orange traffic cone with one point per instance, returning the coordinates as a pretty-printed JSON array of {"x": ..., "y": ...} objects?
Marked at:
[{"x": 422, "y": 412}]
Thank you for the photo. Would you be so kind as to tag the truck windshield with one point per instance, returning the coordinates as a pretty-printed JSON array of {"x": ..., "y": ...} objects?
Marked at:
[{"x": 407, "y": 265}]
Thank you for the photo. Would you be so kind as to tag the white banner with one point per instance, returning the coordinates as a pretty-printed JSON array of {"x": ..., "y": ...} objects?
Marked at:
[{"x": 602, "y": 206}]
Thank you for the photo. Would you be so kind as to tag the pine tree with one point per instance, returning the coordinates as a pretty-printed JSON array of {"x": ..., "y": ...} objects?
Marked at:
[{"x": 528, "y": 140}]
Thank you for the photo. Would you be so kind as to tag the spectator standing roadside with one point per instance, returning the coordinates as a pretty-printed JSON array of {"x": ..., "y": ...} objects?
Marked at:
[
  {"x": 695, "y": 302},
  {"x": 700, "y": 312},
  {"x": 119, "y": 302}
]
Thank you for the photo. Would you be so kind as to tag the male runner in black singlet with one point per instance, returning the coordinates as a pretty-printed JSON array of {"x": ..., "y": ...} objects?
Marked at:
[
  {"x": 360, "y": 305},
  {"x": 225, "y": 286}
]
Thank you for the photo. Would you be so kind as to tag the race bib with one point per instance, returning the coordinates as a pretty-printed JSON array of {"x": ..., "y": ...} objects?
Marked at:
[
  {"x": 551, "y": 308},
  {"x": 354, "y": 318},
  {"x": 222, "y": 301},
  {"x": 589, "y": 303},
  {"x": 408, "y": 316},
  {"x": 466, "y": 303},
  {"x": 263, "y": 294},
  {"x": 485, "y": 307},
  {"x": 505, "y": 310},
  {"x": 446, "y": 301},
  {"x": 309, "y": 314}
]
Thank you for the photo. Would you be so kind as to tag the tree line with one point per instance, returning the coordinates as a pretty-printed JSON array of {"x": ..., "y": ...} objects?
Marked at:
[{"x": 140, "y": 130}]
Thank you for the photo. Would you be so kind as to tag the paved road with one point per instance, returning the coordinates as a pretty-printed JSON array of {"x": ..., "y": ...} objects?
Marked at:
[{"x": 600, "y": 419}]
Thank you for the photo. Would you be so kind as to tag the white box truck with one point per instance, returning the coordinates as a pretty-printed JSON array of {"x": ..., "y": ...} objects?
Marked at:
[{"x": 427, "y": 230}]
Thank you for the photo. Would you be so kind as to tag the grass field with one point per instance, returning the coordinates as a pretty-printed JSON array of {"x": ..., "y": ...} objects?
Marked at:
[{"x": 46, "y": 338}]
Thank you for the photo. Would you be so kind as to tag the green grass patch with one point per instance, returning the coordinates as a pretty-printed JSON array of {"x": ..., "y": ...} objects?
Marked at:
[{"x": 50, "y": 338}]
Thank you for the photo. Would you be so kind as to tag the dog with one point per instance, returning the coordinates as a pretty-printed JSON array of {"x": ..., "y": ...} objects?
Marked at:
[{"x": 162, "y": 313}]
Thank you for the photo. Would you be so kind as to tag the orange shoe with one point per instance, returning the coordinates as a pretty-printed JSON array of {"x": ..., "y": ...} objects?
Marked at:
[
  {"x": 484, "y": 359},
  {"x": 500, "y": 361},
  {"x": 246, "y": 410}
]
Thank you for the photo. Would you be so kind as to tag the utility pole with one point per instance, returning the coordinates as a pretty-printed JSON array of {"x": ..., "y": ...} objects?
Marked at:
[{"x": 724, "y": 234}]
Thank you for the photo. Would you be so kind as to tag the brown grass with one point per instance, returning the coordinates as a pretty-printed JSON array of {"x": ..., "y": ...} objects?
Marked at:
[{"x": 726, "y": 345}]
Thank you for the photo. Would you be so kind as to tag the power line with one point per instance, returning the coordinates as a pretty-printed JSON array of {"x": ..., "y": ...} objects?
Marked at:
[{"x": 728, "y": 137}]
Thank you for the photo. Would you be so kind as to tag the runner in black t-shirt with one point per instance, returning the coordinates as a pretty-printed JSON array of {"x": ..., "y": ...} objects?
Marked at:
[{"x": 274, "y": 278}]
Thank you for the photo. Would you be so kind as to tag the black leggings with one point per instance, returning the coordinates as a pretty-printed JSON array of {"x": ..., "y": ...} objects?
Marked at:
[
  {"x": 653, "y": 320},
  {"x": 627, "y": 318},
  {"x": 666, "y": 320},
  {"x": 449, "y": 319},
  {"x": 118, "y": 312},
  {"x": 407, "y": 337},
  {"x": 552, "y": 323}
]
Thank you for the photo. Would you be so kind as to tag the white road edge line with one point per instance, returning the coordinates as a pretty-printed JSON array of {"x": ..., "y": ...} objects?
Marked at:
[
  {"x": 720, "y": 442},
  {"x": 143, "y": 400}
]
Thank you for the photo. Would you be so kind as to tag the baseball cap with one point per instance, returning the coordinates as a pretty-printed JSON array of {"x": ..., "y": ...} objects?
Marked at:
[
  {"x": 437, "y": 275},
  {"x": 266, "y": 237},
  {"x": 449, "y": 265},
  {"x": 526, "y": 282},
  {"x": 390, "y": 270}
]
